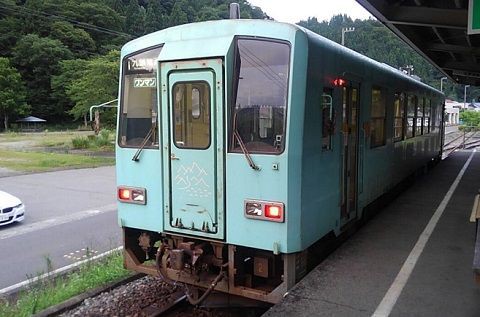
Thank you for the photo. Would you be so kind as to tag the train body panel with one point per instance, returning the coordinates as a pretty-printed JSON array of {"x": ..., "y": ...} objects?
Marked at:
[
  {"x": 242, "y": 143},
  {"x": 129, "y": 173}
]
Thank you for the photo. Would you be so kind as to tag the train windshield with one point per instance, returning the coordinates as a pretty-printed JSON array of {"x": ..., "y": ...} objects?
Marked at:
[
  {"x": 138, "y": 113},
  {"x": 260, "y": 87}
]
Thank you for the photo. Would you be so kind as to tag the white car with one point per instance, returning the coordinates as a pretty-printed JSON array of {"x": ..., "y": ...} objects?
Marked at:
[{"x": 11, "y": 209}]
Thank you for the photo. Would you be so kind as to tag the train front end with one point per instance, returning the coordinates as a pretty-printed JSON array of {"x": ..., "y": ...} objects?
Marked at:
[{"x": 204, "y": 165}]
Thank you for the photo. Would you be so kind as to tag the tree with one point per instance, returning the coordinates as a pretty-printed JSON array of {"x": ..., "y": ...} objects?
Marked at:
[
  {"x": 135, "y": 18},
  {"x": 70, "y": 70},
  {"x": 37, "y": 59},
  {"x": 97, "y": 84},
  {"x": 167, "y": 5},
  {"x": 154, "y": 17},
  {"x": 178, "y": 15},
  {"x": 12, "y": 92},
  {"x": 10, "y": 32},
  {"x": 77, "y": 40},
  {"x": 117, "y": 5},
  {"x": 470, "y": 119}
]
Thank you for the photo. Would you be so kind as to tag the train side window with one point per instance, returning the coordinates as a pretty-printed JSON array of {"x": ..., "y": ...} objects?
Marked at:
[
  {"x": 398, "y": 113},
  {"x": 328, "y": 119},
  {"x": 411, "y": 110},
  {"x": 426, "y": 118},
  {"x": 378, "y": 110},
  {"x": 420, "y": 112}
]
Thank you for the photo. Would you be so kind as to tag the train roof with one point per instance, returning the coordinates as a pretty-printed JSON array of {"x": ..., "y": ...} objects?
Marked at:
[
  {"x": 216, "y": 29},
  {"x": 225, "y": 30}
]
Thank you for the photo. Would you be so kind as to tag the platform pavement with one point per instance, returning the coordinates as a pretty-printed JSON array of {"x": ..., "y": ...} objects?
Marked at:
[{"x": 354, "y": 279}]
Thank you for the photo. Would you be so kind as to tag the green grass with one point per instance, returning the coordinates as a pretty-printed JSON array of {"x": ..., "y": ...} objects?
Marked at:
[
  {"x": 101, "y": 142},
  {"x": 52, "y": 292},
  {"x": 59, "y": 140},
  {"x": 40, "y": 162}
]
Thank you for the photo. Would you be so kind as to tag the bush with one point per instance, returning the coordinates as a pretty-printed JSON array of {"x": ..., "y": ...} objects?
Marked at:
[
  {"x": 470, "y": 118},
  {"x": 105, "y": 134},
  {"x": 103, "y": 138},
  {"x": 80, "y": 143}
]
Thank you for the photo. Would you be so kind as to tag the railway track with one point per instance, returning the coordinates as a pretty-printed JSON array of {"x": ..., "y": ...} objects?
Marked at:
[
  {"x": 461, "y": 141},
  {"x": 148, "y": 296},
  {"x": 176, "y": 302}
]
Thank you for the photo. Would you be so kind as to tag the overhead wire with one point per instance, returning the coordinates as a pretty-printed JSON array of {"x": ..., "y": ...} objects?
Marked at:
[{"x": 20, "y": 10}]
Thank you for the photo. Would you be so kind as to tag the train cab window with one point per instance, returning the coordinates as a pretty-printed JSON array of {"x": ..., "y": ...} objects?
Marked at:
[
  {"x": 328, "y": 119},
  {"x": 191, "y": 111},
  {"x": 411, "y": 111},
  {"x": 398, "y": 113},
  {"x": 259, "y": 94},
  {"x": 138, "y": 112},
  {"x": 377, "y": 136},
  {"x": 426, "y": 117},
  {"x": 420, "y": 113}
]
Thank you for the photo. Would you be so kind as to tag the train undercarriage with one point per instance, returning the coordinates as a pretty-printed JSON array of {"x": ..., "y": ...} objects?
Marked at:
[{"x": 208, "y": 265}]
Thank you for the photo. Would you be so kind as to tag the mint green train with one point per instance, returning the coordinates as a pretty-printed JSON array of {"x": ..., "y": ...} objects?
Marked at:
[{"x": 242, "y": 143}]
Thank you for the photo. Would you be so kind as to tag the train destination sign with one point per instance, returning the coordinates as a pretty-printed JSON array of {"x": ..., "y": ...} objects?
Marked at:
[
  {"x": 141, "y": 64},
  {"x": 144, "y": 83}
]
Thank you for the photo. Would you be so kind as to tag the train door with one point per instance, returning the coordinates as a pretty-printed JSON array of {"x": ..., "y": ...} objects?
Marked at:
[
  {"x": 192, "y": 104},
  {"x": 349, "y": 189}
]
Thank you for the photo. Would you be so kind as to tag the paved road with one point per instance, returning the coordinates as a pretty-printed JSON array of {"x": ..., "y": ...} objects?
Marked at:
[{"x": 68, "y": 213}]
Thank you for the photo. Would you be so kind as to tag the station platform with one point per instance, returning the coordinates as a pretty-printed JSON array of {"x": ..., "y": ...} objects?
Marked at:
[{"x": 414, "y": 258}]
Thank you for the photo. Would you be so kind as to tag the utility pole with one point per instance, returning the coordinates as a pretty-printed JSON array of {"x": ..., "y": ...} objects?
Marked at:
[
  {"x": 465, "y": 96},
  {"x": 441, "y": 83},
  {"x": 346, "y": 30}
]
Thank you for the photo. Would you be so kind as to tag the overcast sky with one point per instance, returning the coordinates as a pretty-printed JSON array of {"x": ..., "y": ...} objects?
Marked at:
[{"x": 293, "y": 11}]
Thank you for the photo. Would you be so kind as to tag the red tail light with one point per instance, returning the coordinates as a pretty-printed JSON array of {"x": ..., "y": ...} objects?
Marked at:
[
  {"x": 339, "y": 82},
  {"x": 264, "y": 210},
  {"x": 124, "y": 194},
  {"x": 274, "y": 211},
  {"x": 132, "y": 195}
]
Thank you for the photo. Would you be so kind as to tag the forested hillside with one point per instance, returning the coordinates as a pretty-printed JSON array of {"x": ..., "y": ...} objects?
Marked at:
[
  {"x": 373, "y": 39},
  {"x": 59, "y": 57},
  {"x": 67, "y": 51}
]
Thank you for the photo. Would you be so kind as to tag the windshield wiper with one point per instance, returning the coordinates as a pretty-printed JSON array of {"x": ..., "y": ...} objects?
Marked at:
[
  {"x": 136, "y": 157},
  {"x": 245, "y": 151}
]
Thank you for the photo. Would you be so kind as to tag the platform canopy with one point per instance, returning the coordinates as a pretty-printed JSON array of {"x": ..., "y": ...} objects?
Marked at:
[{"x": 437, "y": 29}]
